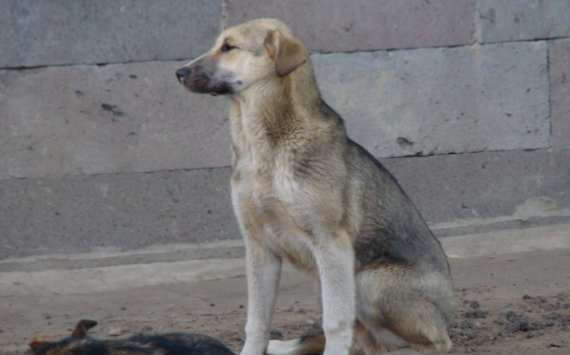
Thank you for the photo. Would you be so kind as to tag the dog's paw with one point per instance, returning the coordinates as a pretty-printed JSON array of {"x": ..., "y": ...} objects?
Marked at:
[{"x": 278, "y": 347}]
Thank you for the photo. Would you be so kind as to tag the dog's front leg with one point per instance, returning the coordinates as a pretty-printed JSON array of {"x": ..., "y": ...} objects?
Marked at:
[
  {"x": 263, "y": 271},
  {"x": 335, "y": 262}
]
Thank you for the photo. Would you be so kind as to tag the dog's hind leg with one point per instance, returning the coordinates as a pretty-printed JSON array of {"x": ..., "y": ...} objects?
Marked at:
[
  {"x": 398, "y": 306},
  {"x": 404, "y": 352},
  {"x": 377, "y": 342}
]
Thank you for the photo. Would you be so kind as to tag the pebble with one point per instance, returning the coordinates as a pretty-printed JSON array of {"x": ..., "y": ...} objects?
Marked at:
[
  {"x": 275, "y": 335},
  {"x": 466, "y": 324},
  {"x": 115, "y": 332},
  {"x": 511, "y": 316},
  {"x": 523, "y": 326},
  {"x": 554, "y": 315},
  {"x": 476, "y": 314}
]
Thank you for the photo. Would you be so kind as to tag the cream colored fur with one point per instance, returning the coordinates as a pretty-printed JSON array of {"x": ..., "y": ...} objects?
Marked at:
[{"x": 300, "y": 191}]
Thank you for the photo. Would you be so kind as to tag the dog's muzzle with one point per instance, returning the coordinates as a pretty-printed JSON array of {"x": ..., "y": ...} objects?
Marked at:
[{"x": 182, "y": 74}]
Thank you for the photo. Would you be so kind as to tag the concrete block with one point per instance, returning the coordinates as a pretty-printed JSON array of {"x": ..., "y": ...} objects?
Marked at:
[
  {"x": 119, "y": 118},
  {"x": 343, "y": 26},
  {"x": 114, "y": 212},
  {"x": 441, "y": 100},
  {"x": 36, "y": 33},
  {"x": 522, "y": 184},
  {"x": 134, "y": 211},
  {"x": 559, "y": 55},
  {"x": 504, "y": 21}
]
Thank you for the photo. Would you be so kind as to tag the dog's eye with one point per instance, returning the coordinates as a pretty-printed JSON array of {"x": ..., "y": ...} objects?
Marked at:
[{"x": 226, "y": 47}]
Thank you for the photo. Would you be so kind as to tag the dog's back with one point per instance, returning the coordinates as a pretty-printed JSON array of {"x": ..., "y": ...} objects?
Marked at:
[
  {"x": 392, "y": 226},
  {"x": 155, "y": 344}
]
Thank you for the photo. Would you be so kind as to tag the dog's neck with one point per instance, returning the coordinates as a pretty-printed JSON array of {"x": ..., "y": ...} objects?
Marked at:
[{"x": 273, "y": 111}]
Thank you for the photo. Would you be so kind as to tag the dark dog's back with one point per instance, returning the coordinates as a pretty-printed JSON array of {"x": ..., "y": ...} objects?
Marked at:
[{"x": 140, "y": 344}]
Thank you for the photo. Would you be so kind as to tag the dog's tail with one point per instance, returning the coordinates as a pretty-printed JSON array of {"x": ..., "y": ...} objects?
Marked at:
[{"x": 306, "y": 345}]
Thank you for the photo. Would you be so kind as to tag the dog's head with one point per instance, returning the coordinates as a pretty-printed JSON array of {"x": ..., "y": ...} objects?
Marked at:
[{"x": 255, "y": 52}]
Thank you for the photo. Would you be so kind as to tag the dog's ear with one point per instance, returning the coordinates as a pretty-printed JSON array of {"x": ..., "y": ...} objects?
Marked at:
[
  {"x": 287, "y": 53},
  {"x": 82, "y": 327}
]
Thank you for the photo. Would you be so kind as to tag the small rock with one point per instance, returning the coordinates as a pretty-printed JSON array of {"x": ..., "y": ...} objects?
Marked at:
[
  {"x": 554, "y": 315},
  {"x": 241, "y": 306},
  {"x": 275, "y": 335},
  {"x": 115, "y": 332},
  {"x": 466, "y": 325},
  {"x": 529, "y": 335},
  {"x": 476, "y": 314},
  {"x": 523, "y": 326},
  {"x": 526, "y": 297},
  {"x": 511, "y": 316},
  {"x": 123, "y": 308},
  {"x": 474, "y": 304},
  {"x": 302, "y": 311},
  {"x": 212, "y": 305}
]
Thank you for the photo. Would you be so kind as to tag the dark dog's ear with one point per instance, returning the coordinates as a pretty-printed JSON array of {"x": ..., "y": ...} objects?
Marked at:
[
  {"x": 82, "y": 327},
  {"x": 287, "y": 53}
]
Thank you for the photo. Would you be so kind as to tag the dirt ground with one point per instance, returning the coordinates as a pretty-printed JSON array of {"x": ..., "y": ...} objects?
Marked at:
[{"x": 510, "y": 304}]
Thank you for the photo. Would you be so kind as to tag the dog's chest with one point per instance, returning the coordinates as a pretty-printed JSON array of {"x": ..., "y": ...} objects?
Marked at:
[
  {"x": 268, "y": 178},
  {"x": 279, "y": 200}
]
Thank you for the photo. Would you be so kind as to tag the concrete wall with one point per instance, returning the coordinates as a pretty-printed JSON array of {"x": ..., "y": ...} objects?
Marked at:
[{"x": 466, "y": 102}]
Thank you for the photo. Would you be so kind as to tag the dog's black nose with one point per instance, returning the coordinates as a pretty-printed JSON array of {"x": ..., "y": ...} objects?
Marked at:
[{"x": 182, "y": 73}]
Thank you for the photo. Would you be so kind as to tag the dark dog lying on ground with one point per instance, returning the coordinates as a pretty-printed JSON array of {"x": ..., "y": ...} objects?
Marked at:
[{"x": 158, "y": 344}]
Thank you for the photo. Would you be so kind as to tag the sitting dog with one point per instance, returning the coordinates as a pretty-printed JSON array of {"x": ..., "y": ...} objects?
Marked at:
[
  {"x": 158, "y": 344},
  {"x": 304, "y": 192}
]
